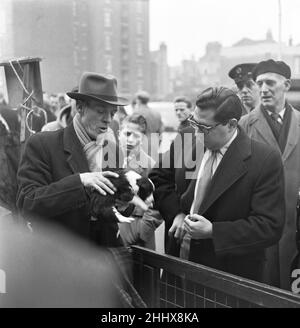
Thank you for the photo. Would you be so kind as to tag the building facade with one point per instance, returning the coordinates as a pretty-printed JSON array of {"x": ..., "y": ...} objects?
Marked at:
[
  {"x": 217, "y": 61},
  {"x": 160, "y": 86},
  {"x": 72, "y": 36}
]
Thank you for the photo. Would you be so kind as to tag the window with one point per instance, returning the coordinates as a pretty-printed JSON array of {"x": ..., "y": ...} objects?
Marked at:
[
  {"x": 125, "y": 76},
  {"x": 140, "y": 72},
  {"x": 125, "y": 56},
  {"x": 139, "y": 27},
  {"x": 140, "y": 85},
  {"x": 139, "y": 6},
  {"x": 107, "y": 19},
  {"x": 139, "y": 49},
  {"x": 107, "y": 43},
  {"x": 125, "y": 36},
  {"x": 108, "y": 65}
]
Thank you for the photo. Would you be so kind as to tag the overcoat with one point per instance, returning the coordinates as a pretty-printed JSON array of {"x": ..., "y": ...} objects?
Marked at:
[
  {"x": 243, "y": 202},
  {"x": 49, "y": 185},
  {"x": 280, "y": 257}
]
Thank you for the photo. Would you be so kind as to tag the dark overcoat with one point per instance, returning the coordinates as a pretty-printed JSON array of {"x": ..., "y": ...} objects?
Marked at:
[
  {"x": 49, "y": 185},
  {"x": 280, "y": 257},
  {"x": 244, "y": 202}
]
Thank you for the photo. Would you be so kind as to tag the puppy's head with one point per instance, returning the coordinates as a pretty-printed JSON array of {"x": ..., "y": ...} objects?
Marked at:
[
  {"x": 143, "y": 189},
  {"x": 124, "y": 191},
  {"x": 146, "y": 188}
]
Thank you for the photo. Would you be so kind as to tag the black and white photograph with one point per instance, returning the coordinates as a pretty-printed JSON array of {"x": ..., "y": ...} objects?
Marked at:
[{"x": 149, "y": 157}]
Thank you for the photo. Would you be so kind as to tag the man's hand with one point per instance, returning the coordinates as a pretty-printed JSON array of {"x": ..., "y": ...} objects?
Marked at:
[
  {"x": 198, "y": 226},
  {"x": 98, "y": 181},
  {"x": 177, "y": 226}
]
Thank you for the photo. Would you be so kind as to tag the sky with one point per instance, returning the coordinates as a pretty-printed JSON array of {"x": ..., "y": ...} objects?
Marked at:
[{"x": 187, "y": 25}]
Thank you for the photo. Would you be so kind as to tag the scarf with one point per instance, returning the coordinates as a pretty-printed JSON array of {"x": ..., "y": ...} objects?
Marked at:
[{"x": 93, "y": 149}]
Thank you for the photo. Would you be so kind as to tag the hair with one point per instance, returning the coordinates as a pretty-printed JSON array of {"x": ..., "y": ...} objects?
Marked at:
[
  {"x": 224, "y": 101},
  {"x": 138, "y": 120},
  {"x": 143, "y": 97},
  {"x": 183, "y": 99},
  {"x": 80, "y": 104}
]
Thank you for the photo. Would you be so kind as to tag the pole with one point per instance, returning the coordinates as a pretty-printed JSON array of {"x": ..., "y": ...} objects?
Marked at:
[{"x": 279, "y": 30}]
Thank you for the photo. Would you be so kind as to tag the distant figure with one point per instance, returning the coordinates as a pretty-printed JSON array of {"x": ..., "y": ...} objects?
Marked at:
[
  {"x": 61, "y": 101},
  {"x": 64, "y": 117},
  {"x": 54, "y": 104},
  {"x": 117, "y": 121},
  {"x": 183, "y": 109},
  {"x": 248, "y": 90},
  {"x": 154, "y": 123}
]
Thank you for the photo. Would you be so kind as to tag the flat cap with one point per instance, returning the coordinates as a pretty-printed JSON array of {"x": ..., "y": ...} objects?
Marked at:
[
  {"x": 272, "y": 66},
  {"x": 241, "y": 72}
]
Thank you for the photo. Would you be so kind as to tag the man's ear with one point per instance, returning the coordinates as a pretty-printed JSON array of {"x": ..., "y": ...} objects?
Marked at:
[
  {"x": 287, "y": 84},
  {"x": 233, "y": 123},
  {"x": 79, "y": 107}
]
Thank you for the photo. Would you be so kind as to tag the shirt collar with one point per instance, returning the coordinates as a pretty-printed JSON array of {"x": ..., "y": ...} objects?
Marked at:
[
  {"x": 226, "y": 146},
  {"x": 281, "y": 113}
]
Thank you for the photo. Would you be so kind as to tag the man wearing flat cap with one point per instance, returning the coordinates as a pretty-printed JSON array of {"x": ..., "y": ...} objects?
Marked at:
[
  {"x": 58, "y": 167},
  {"x": 231, "y": 211},
  {"x": 247, "y": 88},
  {"x": 276, "y": 123}
]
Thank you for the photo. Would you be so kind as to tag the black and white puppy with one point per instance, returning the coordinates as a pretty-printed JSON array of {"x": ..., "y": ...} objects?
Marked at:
[{"x": 132, "y": 189}]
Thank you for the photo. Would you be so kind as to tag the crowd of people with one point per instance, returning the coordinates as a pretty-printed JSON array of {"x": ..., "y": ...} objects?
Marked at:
[{"x": 236, "y": 212}]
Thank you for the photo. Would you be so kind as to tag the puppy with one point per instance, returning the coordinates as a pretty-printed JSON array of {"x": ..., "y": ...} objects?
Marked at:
[{"x": 131, "y": 188}]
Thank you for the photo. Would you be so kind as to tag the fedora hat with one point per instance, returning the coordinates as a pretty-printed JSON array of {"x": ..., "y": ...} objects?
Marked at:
[{"x": 103, "y": 88}]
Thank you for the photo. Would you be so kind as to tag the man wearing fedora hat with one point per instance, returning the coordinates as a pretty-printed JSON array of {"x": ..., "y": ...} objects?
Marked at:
[
  {"x": 58, "y": 167},
  {"x": 276, "y": 123}
]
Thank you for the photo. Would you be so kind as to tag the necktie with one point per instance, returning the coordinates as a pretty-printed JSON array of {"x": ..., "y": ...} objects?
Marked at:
[
  {"x": 277, "y": 121},
  {"x": 200, "y": 190}
]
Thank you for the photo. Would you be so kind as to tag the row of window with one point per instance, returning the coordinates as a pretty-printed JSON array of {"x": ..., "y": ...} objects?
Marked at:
[
  {"x": 108, "y": 44},
  {"x": 108, "y": 22},
  {"x": 125, "y": 73}
]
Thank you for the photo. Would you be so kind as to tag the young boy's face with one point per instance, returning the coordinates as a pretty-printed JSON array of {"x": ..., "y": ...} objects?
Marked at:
[{"x": 130, "y": 136}]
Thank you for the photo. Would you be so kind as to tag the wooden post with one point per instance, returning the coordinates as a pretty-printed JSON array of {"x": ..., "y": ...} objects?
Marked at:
[{"x": 23, "y": 76}]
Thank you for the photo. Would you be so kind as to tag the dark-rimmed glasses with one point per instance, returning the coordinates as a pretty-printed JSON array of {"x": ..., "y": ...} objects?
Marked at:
[{"x": 201, "y": 127}]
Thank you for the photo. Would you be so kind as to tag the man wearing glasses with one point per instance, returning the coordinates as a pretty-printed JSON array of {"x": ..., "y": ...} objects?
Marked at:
[
  {"x": 247, "y": 88},
  {"x": 232, "y": 210}
]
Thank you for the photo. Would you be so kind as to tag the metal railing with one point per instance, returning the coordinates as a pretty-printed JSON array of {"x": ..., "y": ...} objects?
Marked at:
[{"x": 166, "y": 281}]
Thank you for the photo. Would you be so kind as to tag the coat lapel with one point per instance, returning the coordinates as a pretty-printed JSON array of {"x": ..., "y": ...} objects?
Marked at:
[
  {"x": 231, "y": 168},
  {"x": 293, "y": 135},
  {"x": 76, "y": 158},
  {"x": 262, "y": 128}
]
